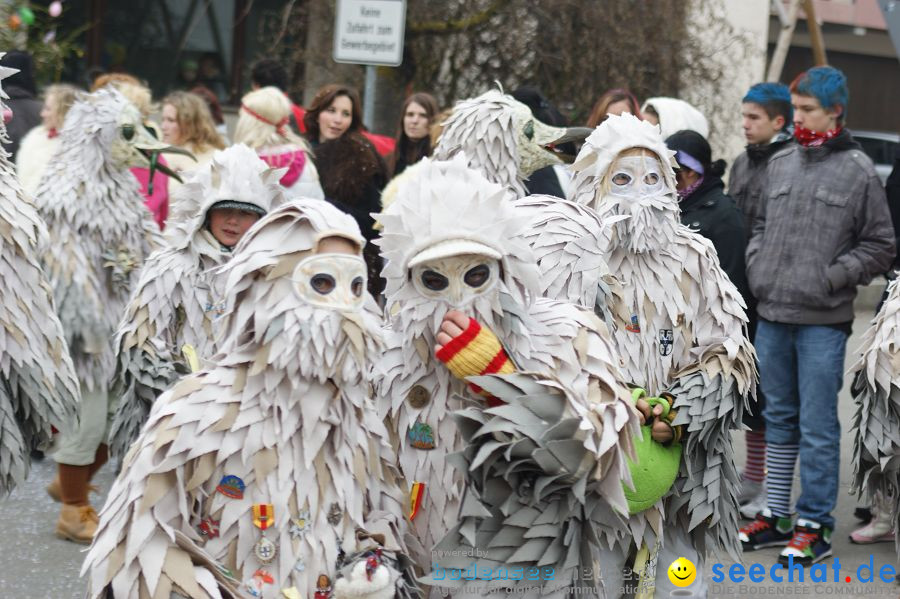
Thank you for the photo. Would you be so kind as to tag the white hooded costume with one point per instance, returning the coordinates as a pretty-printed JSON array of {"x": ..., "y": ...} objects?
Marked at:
[
  {"x": 447, "y": 224},
  {"x": 676, "y": 115},
  {"x": 175, "y": 303},
  {"x": 269, "y": 473},
  {"x": 678, "y": 325},
  {"x": 38, "y": 388},
  {"x": 100, "y": 234}
]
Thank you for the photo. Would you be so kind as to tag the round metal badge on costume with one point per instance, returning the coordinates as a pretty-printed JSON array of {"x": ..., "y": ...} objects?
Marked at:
[
  {"x": 265, "y": 550},
  {"x": 418, "y": 397}
]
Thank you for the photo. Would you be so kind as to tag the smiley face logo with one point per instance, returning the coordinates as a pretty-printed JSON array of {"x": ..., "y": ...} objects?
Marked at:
[{"x": 682, "y": 572}]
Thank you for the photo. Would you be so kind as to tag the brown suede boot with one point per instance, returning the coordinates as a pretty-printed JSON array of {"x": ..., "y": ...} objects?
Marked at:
[
  {"x": 77, "y": 523},
  {"x": 55, "y": 492},
  {"x": 54, "y": 489},
  {"x": 77, "y": 519}
]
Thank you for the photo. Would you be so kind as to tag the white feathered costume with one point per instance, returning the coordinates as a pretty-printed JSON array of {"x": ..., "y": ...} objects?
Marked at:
[
  {"x": 500, "y": 137},
  {"x": 286, "y": 409},
  {"x": 38, "y": 388},
  {"x": 677, "y": 321},
  {"x": 876, "y": 393},
  {"x": 100, "y": 230},
  {"x": 449, "y": 218},
  {"x": 174, "y": 303}
]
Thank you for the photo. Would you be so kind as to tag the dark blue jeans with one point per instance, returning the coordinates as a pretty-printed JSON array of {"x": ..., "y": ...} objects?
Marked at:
[{"x": 801, "y": 369}]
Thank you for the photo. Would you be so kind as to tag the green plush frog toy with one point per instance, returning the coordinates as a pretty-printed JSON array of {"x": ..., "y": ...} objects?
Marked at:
[{"x": 654, "y": 472}]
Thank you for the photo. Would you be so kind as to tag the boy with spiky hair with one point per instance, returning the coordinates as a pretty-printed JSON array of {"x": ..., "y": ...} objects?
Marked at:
[
  {"x": 767, "y": 117},
  {"x": 805, "y": 285}
]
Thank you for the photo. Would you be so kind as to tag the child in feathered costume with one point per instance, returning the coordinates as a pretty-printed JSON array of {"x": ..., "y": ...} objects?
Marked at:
[
  {"x": 462, "y": 294},
  {"x": 169, "y": 319},
  {"x": 38, "y": 388},
  {"x": 268, "y": 474}
]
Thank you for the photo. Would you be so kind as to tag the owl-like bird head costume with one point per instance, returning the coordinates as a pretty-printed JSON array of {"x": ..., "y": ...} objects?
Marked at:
[
  {"x": 625, "y": 169},
  {"x": 452, "y": 240},
  {"x": 502, "y": 138},
  {"x": 109, "y": 132}
]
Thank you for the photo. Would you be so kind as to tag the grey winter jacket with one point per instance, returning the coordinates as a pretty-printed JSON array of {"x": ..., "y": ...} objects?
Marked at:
[{"x": 824, "y": 229}]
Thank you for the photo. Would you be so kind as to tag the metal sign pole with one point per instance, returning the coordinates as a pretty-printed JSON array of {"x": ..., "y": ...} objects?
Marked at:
[
  {"x": 891, "y": 11},
  {"x": 369, "y": 97}
]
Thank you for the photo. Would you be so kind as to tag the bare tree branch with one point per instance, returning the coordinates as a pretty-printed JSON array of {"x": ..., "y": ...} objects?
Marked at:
[
  {"x": 456, "y": 25},
  {"x": 285, "y": 21}
]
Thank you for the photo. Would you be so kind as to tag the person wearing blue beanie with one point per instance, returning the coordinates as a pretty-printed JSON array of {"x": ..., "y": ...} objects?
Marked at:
[
  {"x": 821, "y": 229},
  {"x": 766, "y": 118}
]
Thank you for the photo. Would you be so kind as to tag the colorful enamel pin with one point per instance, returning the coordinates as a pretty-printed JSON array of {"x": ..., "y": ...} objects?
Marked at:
[
  {"x": 231, "y": 486},
  {"x": 421, "y": 436}
]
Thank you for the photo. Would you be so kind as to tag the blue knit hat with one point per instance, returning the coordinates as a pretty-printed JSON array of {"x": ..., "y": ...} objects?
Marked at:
[
  {"x": 826, "y": 84},
  {"x": 773, "y": 97}
]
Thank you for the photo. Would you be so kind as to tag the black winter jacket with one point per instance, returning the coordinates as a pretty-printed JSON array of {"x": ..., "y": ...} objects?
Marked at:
[
  {"x": 714, "y": 215},
  {"x": 892, "y": 189},
  {"x": 26, "y": 111}
]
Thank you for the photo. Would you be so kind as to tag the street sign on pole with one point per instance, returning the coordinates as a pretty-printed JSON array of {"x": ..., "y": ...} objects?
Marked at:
[
  {"x": 369, "y": 32},
  {"x": 891, "y": 11}
]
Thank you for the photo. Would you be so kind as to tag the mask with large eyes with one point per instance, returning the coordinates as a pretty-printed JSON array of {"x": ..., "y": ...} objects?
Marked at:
[
  {"x": 635, "y": 177},
  {"x": 456, "y": 279},
  {"x": 333, "y": 281}
]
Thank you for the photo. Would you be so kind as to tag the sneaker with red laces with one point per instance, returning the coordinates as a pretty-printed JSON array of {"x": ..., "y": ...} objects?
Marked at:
[
  {"x": 766, "y": 530},
  {"x": 810, "y": 544}
]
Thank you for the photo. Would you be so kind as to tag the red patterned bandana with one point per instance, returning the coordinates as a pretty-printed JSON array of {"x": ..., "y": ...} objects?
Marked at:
[{"x": 812, "y": 139}]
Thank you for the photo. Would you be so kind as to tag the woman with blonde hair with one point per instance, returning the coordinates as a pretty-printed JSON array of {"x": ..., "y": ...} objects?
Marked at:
[
  {"x": 187, "y": 123},
  {"x": 40, "y": 144},
  {"x": 263, "y": 125}
]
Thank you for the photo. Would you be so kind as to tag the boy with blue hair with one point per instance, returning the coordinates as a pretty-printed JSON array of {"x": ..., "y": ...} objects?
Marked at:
[
  {"x": 822, "y": 228},
  {"x": 766, "y": 119}
]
